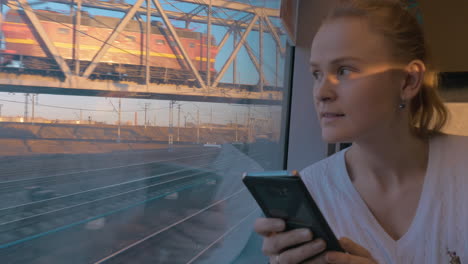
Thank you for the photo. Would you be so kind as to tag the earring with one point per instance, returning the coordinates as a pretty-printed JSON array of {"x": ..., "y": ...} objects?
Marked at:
[{"x": 402, "y": 105}]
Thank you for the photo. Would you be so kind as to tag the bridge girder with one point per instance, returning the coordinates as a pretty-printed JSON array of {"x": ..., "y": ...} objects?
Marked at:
[
  {"x": 261, "y": 11},
  {"x": 115, "y": 33},
  {"x": 49, "y": 46},
  {"x": 188, "y": 17},
  {"x": 260, "y": 17},
  {"x": 9, "y": 82}
]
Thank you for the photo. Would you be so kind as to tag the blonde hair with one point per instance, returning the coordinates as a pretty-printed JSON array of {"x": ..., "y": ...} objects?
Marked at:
[{"x": 393, "y": 19}]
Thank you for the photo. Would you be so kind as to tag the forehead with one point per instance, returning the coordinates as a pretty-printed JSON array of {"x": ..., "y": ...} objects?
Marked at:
[{"x": 348, "y": 37}]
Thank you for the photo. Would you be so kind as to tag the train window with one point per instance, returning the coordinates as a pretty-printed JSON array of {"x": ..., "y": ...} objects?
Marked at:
[
  {"x": 153, "y": 176},
  {"x": 130, "y": 38},
  {"x": 14, "y": 18},
  {"x": 64, "y": 31}
]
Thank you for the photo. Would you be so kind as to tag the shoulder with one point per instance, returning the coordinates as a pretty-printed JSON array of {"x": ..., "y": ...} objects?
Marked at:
[
  {"x": 450, "y": 149},
  {"x": 450, "y": 142},
  {"x": 324, "y": 173},
  {"x": 321, "y": 167},
  {"x": 450, "y": 164},
  {"x": 326, "y": 181}
]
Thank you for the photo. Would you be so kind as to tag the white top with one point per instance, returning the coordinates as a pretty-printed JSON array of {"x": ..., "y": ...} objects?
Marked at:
[{"x": 441, "y": 220}]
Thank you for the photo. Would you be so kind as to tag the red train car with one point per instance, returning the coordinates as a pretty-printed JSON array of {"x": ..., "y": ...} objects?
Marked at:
[{"x": 124, "y": 59}]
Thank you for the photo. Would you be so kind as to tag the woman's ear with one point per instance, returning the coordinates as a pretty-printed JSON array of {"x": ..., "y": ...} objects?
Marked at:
[{"x": 414, "y": 80}]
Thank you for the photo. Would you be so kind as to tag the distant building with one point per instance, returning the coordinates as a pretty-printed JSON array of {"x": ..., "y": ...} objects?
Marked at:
[{"x": 20, "y": 119}]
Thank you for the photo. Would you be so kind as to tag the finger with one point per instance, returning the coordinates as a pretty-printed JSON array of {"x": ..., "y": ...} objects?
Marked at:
[
  {"x": 295, "y": 173},
  {"x": 272, "y": 260},
  {"x": 353, "y": 248},
  {"x": 277, "y": 243},
  {"x": 320, "y": 259},
  {"x": 266, "y": 226},
  {"x": 344, "y": 258},
  {"x": 303, "y": 252}
]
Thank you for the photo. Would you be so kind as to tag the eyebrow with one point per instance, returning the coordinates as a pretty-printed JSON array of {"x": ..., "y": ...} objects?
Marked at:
[{"x": 338, "y": 60}]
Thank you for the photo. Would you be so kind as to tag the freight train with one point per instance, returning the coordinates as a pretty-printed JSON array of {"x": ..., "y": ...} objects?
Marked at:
[{"x": 125, "y": 59}]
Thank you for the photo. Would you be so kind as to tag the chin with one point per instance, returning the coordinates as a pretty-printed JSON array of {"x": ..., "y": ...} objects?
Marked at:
[
  {"x": 333, "y": 137},
  {"x": 330, "y": 140}
]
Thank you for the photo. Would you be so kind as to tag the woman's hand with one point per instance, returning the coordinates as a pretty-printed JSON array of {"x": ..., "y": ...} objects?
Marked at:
[
  {"x": 356, "y": 254},
  {"x": 276, "y": 242}
]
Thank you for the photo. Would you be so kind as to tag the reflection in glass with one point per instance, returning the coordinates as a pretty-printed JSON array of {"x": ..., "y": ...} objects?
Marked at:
[{"x": 128, "y": 153}]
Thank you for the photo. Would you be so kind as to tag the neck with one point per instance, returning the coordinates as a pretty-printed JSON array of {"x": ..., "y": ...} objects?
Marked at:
[{"x": 388, "y": 161}]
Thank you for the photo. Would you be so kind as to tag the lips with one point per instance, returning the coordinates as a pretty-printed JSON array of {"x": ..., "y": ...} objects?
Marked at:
[{"x": 331, "y": 114}]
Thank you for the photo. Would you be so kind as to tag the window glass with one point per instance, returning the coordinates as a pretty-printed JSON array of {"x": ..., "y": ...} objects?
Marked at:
[
  {"x": 140, "y": 159},
  {"x": 130, "y": 38},
  {"x": 64, "y": 31},
  {"x": 15, "y": 18}
]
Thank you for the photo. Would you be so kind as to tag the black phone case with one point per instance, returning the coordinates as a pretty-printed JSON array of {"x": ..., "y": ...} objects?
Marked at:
[{"x": 287, "y": 197}]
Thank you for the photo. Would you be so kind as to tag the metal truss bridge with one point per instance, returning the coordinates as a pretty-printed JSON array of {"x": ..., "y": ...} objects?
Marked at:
[{"x": 68, "y": 67}]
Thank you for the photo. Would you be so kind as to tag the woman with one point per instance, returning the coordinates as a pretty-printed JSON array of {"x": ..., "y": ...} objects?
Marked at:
[{"x": 398, "y": 194}]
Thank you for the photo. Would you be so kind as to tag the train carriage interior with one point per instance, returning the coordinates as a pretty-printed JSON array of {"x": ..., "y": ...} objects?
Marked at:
[{"x": 126, "y": 125}]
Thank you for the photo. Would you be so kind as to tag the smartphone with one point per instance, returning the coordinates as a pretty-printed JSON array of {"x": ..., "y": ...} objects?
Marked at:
[{"x": 283, "y": 194}]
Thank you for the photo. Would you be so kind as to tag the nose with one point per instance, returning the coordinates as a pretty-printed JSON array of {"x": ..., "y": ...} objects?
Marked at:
[{"x": 325, "y": 90}]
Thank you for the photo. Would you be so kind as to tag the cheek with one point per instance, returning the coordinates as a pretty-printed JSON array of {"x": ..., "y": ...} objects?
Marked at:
[{"x": 370, "y": 104}]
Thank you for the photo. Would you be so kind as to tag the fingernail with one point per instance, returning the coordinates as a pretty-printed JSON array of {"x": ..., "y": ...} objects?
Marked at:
[
  {"x": 344, "y": 244},
  {"x": 279, "y": 225},
  {"x": 346, "y": 241},
  {"x": 321, "y": 244},
  {"x": 306, "y": 233}
]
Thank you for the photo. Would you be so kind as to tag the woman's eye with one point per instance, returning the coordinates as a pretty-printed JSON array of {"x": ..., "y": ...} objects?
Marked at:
[
  {"x": 316, "y": 75},
  {"x": 344, "y": 71}
]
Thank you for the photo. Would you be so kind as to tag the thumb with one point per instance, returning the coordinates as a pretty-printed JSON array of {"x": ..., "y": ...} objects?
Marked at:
[{"x": 354, "y": 249}]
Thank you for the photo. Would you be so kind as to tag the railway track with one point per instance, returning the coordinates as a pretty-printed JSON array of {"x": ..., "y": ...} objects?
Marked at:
[
  {"x": 154, "y": 248},
  {"x": 31, "y": 219},
  {"x": 36, "y": 231},
  {"x": 43, "y": 165},
  {"x": 129, "y": 169}
]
